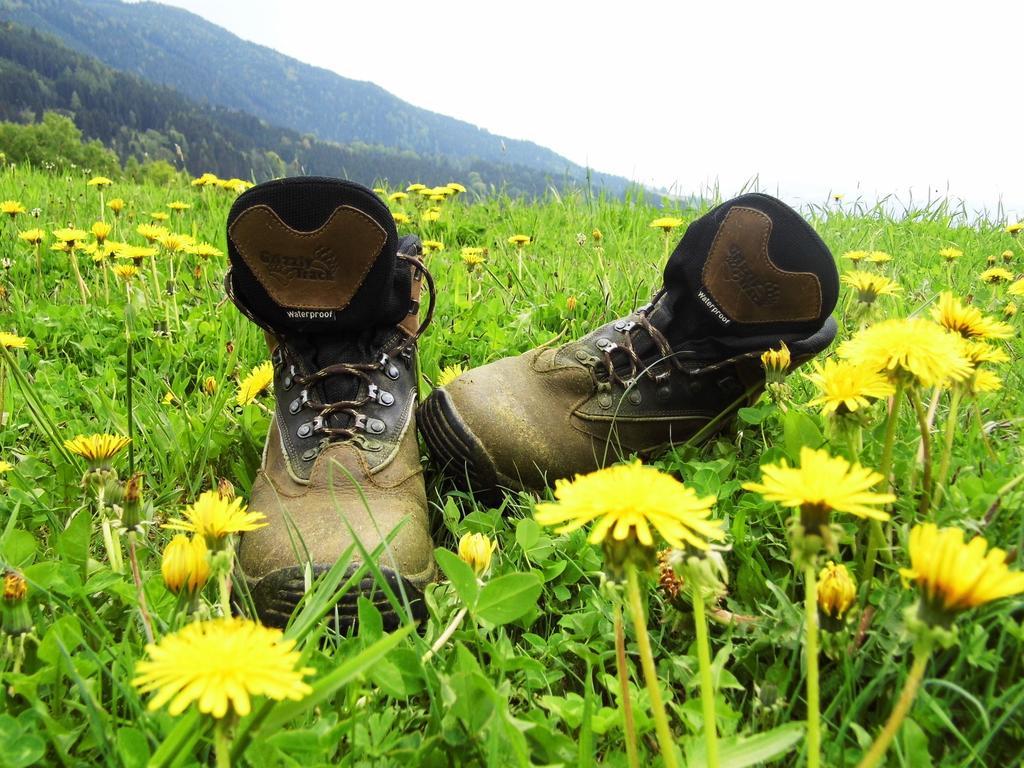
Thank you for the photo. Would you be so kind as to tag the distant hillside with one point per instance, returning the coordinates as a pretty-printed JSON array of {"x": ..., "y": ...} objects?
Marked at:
[
  {"x": 148, "y": 122},
  {"x": 205, "y": 62}
]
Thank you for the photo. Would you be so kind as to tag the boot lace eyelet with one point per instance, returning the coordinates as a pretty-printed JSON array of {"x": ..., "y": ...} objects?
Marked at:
[
  {"x": 305, "y": 430},
  {"x": 296, "y": 405},
  {"x": 289, "y": 379},
  {"x": 375, "y": 426}
]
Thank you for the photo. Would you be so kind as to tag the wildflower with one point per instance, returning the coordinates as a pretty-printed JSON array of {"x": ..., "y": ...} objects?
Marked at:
[
  {"x": 990, "y": 259},
  {"x": 983, "y": 381},
  {"x": 97, "y": 450},
  {"x": 215, "y": 518},
  {"x": 1016, "y": 288},
  {"x": 12, "y": 208},
  {"x": 14, "y": 610},
  {"x": 429, "y": 246},
  {"x": 126, "y": 272},
  {"x": 836, "y": 590},
  {"x": 415, "y": 187},
  {"x": 1013, "y": 229},
  {"x": 400, "y": 218},
  {"x": 855, "y": 256},
  {"x": 838, "y": 197},
  {"x": 455, "y": 187},
  {"x": 911, "y": 350},
  {"x": 186, "y": 564},
  {"x": 136, "y": 253},
  {"x": 256, "y": 383},
  {"x": 151, "y": 232},
  {"x": 967, "y": 320},
  {"x": 32, "y": 236},
  {"x": 116, "y": 205},
  {"x": 953, "y": 575},
  {"x": 10, "y": 341},
  {"x": 206, "y": 179},
  {"x": 99, "y": 181},
  {"x": 996, "y": 275},
  {"x": 870, "y": 286},
  {"x": 5, "y": 467},
  {"x": 845, "y": 387},
  {"x": 175, "y": 243},
  {"x": 203, "y": 251},
  {"x": 210, "y": 385},
  {"x": 570, "y": 303},
  {"x": 878, "y": 257},
  {"x": 448, "y": 374},
  {"x": 100, "y": 230},
  {"x": 1007, "y": 256},
  {"x": 220, "y": 665},
  {"x": 950, "y": 254},
  {"x": 519, "y": 240},
  {"x": 437, "y": 198},
  {"x": 159, "y": 216},
  {"x": 1010, "y": 310},
  {"x": 626, "y": 501},
  {"x": 476, "y": 549},
  {"x": 426, "y": 192},
  {"x": 776, "y": 362},
  {"x": 397, "y": 197},
  {"x": 978, "y": 352},
  {"x": 472, "y": 258},
  {"x": 822, "y": 484},
  {"x": 598, "y": 235},
  {"x": 666, "y": 223},
  {"x": 69, "y": 236},
  {"x": 178, "y": 206},
  {"x": 431, "y": 214}
]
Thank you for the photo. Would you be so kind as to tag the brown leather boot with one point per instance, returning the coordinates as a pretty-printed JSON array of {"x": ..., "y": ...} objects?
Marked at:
[
  {"x": 318, "y": 265},
  {"x": 746, "y": 277}
]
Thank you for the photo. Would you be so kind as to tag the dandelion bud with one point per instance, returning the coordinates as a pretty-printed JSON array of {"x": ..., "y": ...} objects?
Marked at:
[
  {"x": 597, "y": 235},
  {"x": 1007, "y": 256},
  {"x": 476, "y": 549},
  {"x": 210, "y": 385},
  {"x": 776, "y": 363},
  {"x": 16, "y": 617},
  {"x": 186, "y": 564},
  {"x": 1010, "y": 310},
  {"x": 225, "y": 489},
  {"x": 570, "y": 303},
  {"x": 836, "y": 592},
  {"x": 133, "y": 512}
]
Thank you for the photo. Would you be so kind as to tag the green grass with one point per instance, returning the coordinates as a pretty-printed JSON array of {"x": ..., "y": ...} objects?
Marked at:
[{"x": 541, "y": 688}]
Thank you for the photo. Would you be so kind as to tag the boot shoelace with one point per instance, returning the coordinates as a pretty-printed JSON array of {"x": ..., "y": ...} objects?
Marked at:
[
  {"x": 362, "y": 371},
  {"x": 636, "y": 365}
]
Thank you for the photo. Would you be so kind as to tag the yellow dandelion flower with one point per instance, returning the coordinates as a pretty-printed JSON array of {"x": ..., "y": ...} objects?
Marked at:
[
  {"x": 220, "y": 665},
  {"x": 627, "y": 501},
  {"x": 983, "y": 381},
  {"x": 822, "y": 484},
  {"x": 210, "y": 385},
  {"x": 186, "y": 564},
  {"x": 776, "y": 362},
  {"x": 448, "y": 374},
  {"x": 913, "y": 350},
  {"x": 206, "y": 179},
  {"x": 151, "y": 232},
  {"x": 159, "y": 216},
  {"x": 126, "y": 272},
  {"x": 990, "y": 259},
  {"x": 178, "y": 206},
  {"x": 666, "y": 223},
  {"x": 169, "y": 398},
  {"x": 950, "y": 254},
  {"x": 415, "y": 187},
  {"x": 1010, "y": 310},
  {"x": 32, "y": 236},
  {"x": 472, "y": 260},
  {"x": 256, "y": 383},
  {"x": 99, "y": 181},
  {"x": 100, "y": 230},
  {"x": 598, "y": 235},
  {"x": 870, "y": 286},
  {"x": 967, "y": 320},
  {"x": 5, "y": 467},
  {"x": 978, "y": 352},
  {"x": 845, "y": 387},
  {"x": 429, "y": 246},
  {"x": 70, "y": 235},
  {"x": 1007, "y": 256},
  {"x": 116, "y": 205},
  {"x": 519, "y": 240},
  {"x": 430, "y": 215},
  {"x": 400, "y": 218},
  {"x": 1013, "y": 229},
  {"x": 425, "y": 192},
  {"x": 10, "y": 341},
  {"x": 879, "y": 257},
  {"x": 455, "y": 187},
  {"x": 954, "y": 575},
  {"x": 996, "y": 275},
  {"x": 15, "y": 586},
  {"x": 397, "y": 197},
  {"x": 836, "y": 590},
  {"x": 12, "y": 208},
  {"x": 97, "y": 449},
  {"x": 855, "y": 256},
  {"x": 215, "y": 518},
  {"x": 204, "y": 251},
  {"x": 476, "y": 549},
  {"x": 570, "y": 303},
  {"x": 136, "y": 253},
  {"x": 176, "y": 243},
  {"x": 1016, "y": 288}
]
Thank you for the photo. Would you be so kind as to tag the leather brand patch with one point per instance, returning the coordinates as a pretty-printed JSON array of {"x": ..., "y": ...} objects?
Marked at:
[
  {"x": 745, "y": 285},
  {"x": 319, "y": 270}
]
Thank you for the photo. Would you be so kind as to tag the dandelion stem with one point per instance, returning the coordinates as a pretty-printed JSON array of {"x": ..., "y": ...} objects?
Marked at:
[
  {"x": 885, "y": 467},
  {"x": 899, "y": 712},
  {"x": 643, "y": 641},
  {"x": 947, "y": 448},
  {"x": 445, "y": 636},
  {"x": 926, "y": 451},
  {"x": 3, "y": 393},
  {"x": 78, "y": 276},
  {"x": 628, "y": 724},
  {"x": 707, "y": 686},
  {"x": 222, "y": 743},
  {"x": 811, "y": 649},
  {"x": 147, "y": 623}
]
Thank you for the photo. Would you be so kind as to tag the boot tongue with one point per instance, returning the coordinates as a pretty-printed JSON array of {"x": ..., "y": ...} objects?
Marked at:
[{"x": 314, "y": 255}]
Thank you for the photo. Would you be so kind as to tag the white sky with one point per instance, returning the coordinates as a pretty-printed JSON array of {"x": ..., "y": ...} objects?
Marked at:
[{"x": 863, "y": 98}]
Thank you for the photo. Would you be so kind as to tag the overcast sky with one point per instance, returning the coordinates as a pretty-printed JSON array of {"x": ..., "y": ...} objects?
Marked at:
[{"x": 860, "y": 98}]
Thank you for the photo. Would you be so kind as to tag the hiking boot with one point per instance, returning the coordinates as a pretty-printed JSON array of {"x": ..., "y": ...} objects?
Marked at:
[
  {"x": 317, "y": 264},
  {"x": 746, "y": 277}
]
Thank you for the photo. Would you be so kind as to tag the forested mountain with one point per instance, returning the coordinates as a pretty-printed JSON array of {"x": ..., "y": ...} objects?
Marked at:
[
  {"x": 140, "y": 121},
  {"x": 207, "y": 63}
]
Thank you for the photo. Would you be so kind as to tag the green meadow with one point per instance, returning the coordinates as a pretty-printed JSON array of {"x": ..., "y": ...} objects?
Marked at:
[{"x": 529, "y": 675}]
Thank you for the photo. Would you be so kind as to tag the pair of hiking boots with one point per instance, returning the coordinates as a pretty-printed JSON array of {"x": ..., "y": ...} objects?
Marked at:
[{"x": 318, "y": 264}]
